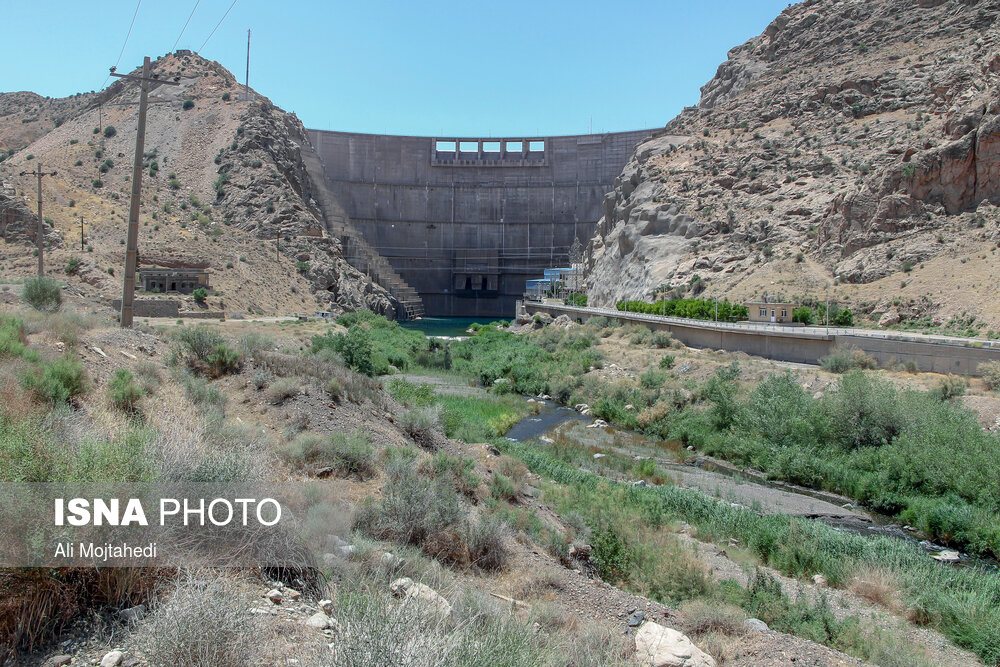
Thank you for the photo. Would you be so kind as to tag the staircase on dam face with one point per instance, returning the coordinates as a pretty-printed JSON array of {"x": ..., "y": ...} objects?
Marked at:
[{"x": 357, "y": 251}]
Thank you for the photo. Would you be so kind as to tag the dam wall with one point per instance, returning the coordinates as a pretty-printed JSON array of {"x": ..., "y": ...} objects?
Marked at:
[{"x": 465, "y": 221}]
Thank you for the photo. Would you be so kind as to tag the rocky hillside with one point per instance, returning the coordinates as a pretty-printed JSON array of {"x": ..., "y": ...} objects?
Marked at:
[
  {"x": 223, "y": 178},
  {"x": 851, "y": 144}
]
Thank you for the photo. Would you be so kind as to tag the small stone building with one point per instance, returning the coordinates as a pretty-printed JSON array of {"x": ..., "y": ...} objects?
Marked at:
[
  {"x": 184, "y": 281},
  {"x": 772, "y": 312}
]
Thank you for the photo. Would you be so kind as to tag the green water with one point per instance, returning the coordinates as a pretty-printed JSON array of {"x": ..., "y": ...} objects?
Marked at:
[{"x": 444, "y": 326}]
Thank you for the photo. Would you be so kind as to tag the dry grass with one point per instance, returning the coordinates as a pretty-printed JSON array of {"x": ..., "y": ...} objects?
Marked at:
[
  {"x": 704, "y": 616},
  {"x": 877, "y": 586}
]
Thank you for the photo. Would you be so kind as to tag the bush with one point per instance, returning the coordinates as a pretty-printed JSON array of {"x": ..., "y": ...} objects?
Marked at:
[
  {"x": 188, "y": 104},
  {"x": 667, "y": 362},
  {"x": 487, "y": 543},
  {"x": 502, "y": 488},
  {"x": 124, "y": 392},
  {"x": 844, "y": 359},
  {"x": 200, "y": 341},
  {"x": 662, "y": 339},
  {"x": 110, "y": 131},
  {"x": 42, "y": 293},
  {"x": 950, "y": 387},
  {"x": 57, "y": 381},
  {"x": 73, "y": 265},
  {"x": 639, "y": 335},
  {"x": 225, "y": 97},
  {"x": 278, "y": 392},
  {"x": 200, "y": 294},
  {"x": 990, "y": 371},
  {"x": 224, "y": 360},
  {"x": 803, "y": 314},
  {"x": 204, "y": 622},
  {"x": 350, "y": 454},
  {"x": 421, "y": 423},
  {"x": 863, "y": 411}
]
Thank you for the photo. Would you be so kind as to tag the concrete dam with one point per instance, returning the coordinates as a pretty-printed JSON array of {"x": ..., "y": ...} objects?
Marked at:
[{"x": 464, "y": 222}]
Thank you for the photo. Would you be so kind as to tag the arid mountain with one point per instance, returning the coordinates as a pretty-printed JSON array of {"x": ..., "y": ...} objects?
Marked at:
[
  {"x": 852, "y": 144},
  {"x": 222, "y": 179}
]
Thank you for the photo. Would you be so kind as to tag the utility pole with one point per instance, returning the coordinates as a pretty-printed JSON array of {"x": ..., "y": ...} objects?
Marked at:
[
  {"x": 81, "y": 234},
  {"x": 39, "y": 234},
  {"x": 248, "y": 66},
  {"x": 132, "y": 247},
  {"x": 828, "y": 309}
]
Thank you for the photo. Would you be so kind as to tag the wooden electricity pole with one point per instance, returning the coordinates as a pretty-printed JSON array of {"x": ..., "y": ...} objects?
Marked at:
[
  {"x": 132, "y": 240},
  {"x": 39, "y": 233}
]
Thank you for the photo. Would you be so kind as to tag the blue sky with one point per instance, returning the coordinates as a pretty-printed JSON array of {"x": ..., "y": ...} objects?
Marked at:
[{"x": 515, "y": 67}]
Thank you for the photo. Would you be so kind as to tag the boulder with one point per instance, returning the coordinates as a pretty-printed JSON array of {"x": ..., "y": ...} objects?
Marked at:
[
  {"x": 756, "y": 625},
  {"x": 889, "y": 318},
  {"x": 947, "y": 556},
  {"x": 112, "y": 659},
  {"x": 58, "y": 661},
  {"x": 326, "y": 606},
  {"x": 392, "y": 562},
  {"x": 659, "y": 646},
  {"x": 408, "y": 589},
  {"x": 274, "y": 595},
  {"x": 321, "y": 621}
]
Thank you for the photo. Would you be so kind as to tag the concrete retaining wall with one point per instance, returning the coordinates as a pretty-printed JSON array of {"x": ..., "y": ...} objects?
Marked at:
[
  {"x": 150, "y": 307},
  {"x": 804, "y": 345}
]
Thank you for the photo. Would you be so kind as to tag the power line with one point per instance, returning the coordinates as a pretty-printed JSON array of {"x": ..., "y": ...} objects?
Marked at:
[
  {"x": 218, "y": 24},
  {"x": 122, "y": 52},
  {"x": 185, "y": 25}
]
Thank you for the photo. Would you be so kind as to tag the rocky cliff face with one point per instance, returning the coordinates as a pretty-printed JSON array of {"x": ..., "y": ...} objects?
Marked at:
[
  {"x": 849, "y": 144},
  {"x": 223, "y": 186}
]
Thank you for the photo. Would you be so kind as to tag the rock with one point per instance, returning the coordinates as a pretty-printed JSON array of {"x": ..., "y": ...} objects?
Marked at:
[
  {"x": 629, "y": 406},
  {"x": 326, "y": 606},
  {"x": 58, "y": 661},
  {"x": 889, "y": 318},
  {"x": 947, "y": 556},
  {"x": 112, "y": 659},
  {"x": 819, "y": 580},
  {"x": 408, "y": 589},
  {"x": 598, "y": 423},
  {"x": 818, "y": 395},
  {"x": 659, "y": 646},
  {"x": 291, "y": 594},
  {"x": 260, "y": 611},
  {"x": 321, "y": 621},
  {"x": 636, "y": 619},
  {"x": 640, "y": 482},
  {"x": 599, "y": 456},
  {"x": 392, "y": 562},
  {"x": 274, "y": 595},
  {"x": 580, "y": 407},
  {"x": 547, "y": 440},
  {"x": 133, "y": 614},
  {"x": 756, "y": 625}
]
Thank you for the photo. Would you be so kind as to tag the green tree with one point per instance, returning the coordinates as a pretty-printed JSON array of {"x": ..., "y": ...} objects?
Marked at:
[{"x": 200, "y": 295}]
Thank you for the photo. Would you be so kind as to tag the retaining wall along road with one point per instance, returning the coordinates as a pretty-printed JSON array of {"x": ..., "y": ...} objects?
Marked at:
[{"x": 937, "y": 354}]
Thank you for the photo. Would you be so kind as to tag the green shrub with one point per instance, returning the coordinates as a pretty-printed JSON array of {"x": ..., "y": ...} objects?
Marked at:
[
  {"x": 200, "y": 294},
  {"x": 110, "y": 131},
  {"x": 502, "y": 488},
  {"x": 57, "y": 381},
  {"x": 42, "y": 293},
  {"x": 652, "y": 379},
  {"x": 124, "y": 392},
  {"x": 278, "y": 392},
  {"x": 803, "y": 314},
  {"x": 667, "y": 362},
  {"x": 224, "y": 360},
  {"x": 950, "y": 387},
  {"x": 188, "y": 104},
  {"x": 864, "y": 411},
  {"x": 72, "y": 265},
  {"x": 421, "y": 423},
  {"x": 990, "y": 371},
  {"x": 201, "y": 341},
  {"x": 662, "y": 339},
  {"x": 225, "y": 97},
  {"x": 350, "y": 454},
  {"x": 844, "y": 359},
  {"x": 487, "y": 543}
]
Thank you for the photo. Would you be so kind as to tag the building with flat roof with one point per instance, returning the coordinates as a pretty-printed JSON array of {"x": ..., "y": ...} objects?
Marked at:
[
  {"x": 774, "y": 312},
  {"x": 184, "y": 281}
]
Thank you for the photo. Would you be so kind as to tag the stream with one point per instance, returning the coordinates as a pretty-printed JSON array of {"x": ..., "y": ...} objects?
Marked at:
[{"x": 556, "y": 424}]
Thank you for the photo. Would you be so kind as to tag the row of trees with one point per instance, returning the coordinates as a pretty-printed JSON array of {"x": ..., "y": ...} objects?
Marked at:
[{"x": 699, "y": 309}]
